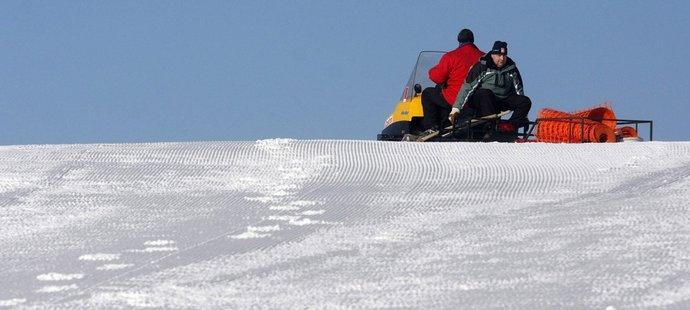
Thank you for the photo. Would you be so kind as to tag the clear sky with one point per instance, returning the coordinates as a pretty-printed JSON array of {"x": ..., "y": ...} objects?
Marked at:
[{"x": 157, "y": 71}]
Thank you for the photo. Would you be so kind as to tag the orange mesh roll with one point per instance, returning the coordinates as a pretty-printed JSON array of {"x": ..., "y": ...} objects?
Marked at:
[
  {"x": 570, "y": 128},
  {"x": 627, "y": 132},
  {"x": 603, "y": 115},
  {"x": 602, "y": 133}
]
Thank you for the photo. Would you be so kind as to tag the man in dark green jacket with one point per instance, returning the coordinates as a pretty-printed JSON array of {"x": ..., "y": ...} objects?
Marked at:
[{"x": 493, "y": 84}]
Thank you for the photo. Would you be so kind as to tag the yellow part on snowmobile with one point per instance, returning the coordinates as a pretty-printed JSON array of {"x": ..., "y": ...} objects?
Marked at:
[{"x": 406, "y": 110}]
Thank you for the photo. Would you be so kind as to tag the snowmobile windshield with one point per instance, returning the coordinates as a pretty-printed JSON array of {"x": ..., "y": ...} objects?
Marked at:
[{"x": 420, "y": 73}]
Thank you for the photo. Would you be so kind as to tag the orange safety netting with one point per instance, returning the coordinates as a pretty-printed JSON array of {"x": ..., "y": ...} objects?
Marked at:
[
  {"x": 626, "y": 132},
  {"x": 603, "y": 115},
  {"x": 592, "y": 125}
]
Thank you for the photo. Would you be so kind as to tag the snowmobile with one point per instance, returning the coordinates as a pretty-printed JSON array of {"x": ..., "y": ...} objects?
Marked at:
[{"x": 405, "y": 123}]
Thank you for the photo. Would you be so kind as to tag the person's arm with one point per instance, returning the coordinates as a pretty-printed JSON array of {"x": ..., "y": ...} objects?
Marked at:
[
  {"x": 439, "y": 74},
  {"x": 517, "y": 81},
  {"x": 474, "y": 78},
  {"x": 471, "y": 82}
]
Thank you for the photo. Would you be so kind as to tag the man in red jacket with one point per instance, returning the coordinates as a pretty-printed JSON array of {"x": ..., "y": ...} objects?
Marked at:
[{"x": 448, "y": 74}]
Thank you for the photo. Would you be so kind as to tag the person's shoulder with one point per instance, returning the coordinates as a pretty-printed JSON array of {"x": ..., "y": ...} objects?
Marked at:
[
  {"x": 453, "y": 53},
  {"x": 453, "y": 56},
  {"x": 479, "y": 65},
  {"x": 484, "y": 59},
  {"x": 465, "y": 52},
  {"x": 510, "y": 63},
  {"x": 468, "y": 48}
]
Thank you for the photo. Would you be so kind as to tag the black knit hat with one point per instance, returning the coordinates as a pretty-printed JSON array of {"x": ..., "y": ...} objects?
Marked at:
[
  {"x": 500, "y": 47},
  {"x": 466, "y": 36}
]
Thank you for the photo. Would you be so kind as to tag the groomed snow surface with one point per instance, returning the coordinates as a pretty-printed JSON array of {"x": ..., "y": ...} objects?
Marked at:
[{"x": 345, "y": 224}]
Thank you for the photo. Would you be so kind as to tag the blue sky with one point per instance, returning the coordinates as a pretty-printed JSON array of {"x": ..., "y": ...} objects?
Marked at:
[{"x": 157, "y": 71}]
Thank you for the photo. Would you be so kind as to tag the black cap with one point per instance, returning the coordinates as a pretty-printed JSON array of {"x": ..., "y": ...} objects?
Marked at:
[
  {"x": 500, "y": 47},
  {"x": 466, "y": 36}
]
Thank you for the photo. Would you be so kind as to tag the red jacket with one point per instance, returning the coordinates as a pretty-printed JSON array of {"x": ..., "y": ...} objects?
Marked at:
[{"x": 452, "y": 69}]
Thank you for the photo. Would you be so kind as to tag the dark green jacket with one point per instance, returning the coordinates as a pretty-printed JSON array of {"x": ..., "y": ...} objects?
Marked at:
[{"x": 484, "y": 74}]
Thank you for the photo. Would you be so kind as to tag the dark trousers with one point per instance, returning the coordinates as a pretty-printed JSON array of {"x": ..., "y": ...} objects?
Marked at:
[
  {"x": 436, "y": 108},
  {"x": 486, "y": 103}
]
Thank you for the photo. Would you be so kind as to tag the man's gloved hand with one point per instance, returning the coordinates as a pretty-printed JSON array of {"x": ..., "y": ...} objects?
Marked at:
[{"x": 453, "y": 116}]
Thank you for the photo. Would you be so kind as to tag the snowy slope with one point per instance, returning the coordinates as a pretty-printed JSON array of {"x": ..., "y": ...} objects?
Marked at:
[{"x": 293, "y": 224}]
